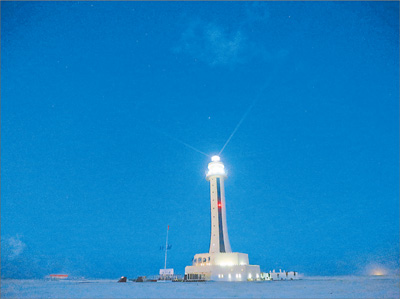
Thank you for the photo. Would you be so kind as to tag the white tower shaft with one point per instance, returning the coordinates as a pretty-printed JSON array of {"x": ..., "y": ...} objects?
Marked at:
[{"x": 219, "y": 241}]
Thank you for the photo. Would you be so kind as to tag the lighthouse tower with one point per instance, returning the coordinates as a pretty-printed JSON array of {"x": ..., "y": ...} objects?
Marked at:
[
  {"x": 219, "y": 231},
  {"x": 220, "y": 263}
]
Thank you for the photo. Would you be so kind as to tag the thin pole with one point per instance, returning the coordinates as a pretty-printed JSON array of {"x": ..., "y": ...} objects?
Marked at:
[{"x": 166, "y": 249}]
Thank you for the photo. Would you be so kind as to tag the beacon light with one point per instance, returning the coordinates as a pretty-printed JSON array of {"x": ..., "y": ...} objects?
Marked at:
[{"x": 215, "y": 158}]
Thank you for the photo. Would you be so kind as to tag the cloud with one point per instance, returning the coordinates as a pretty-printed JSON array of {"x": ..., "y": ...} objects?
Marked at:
[
  {"x": 219, "y": 45},
  {"x": 19, "y": 261},
  {"x": 212, "y": 44},
  {"x": 11, "y": 247}
]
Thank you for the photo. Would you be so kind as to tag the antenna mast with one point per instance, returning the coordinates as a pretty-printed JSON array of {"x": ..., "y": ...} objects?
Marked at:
[{"x": 166, "y": 249}]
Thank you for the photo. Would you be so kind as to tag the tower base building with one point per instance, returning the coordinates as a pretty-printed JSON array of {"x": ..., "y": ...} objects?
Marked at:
[
  {"x": 233, "y": 266},
  {"x": 220, "y": 263}
]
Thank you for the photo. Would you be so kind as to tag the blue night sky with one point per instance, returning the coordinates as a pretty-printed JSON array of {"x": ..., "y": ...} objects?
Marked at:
[{"x": 98, "y": 99}]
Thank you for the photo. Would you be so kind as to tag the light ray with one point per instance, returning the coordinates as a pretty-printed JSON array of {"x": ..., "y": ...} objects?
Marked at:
[
  {"x": 266, "y": 84},
  {"x": 238, "y": 125},
  {"x": 176, "y": 139}
]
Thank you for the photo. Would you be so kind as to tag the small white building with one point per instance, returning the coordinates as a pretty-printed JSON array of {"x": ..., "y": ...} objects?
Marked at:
[
  {"x": 281, "y": 275},
  {"x": 166, "y": 273}
]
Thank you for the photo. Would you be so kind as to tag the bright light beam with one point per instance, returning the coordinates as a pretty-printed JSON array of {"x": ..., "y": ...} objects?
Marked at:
[
  {"x": 176, "y": 139},
  {"x": 268, "y": 81},
  {"x": 184, "y": 143},
  {"x": 238, "y": 125}
]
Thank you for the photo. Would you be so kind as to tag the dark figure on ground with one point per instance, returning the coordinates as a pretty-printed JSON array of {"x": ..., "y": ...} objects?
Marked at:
[{"x": 122, "y": 279}]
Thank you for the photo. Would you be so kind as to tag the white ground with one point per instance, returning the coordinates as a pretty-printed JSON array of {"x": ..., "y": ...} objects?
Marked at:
[{"x": 311, "y": 287}]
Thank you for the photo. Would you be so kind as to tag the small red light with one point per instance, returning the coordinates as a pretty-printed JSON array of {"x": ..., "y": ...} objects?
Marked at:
[{"x": 219, "y": 204}]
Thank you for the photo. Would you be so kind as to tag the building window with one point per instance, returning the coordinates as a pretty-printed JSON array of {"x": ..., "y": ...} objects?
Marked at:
[
  {"x": 209, "y": 258},
  {"x": 204, "y": 260}
]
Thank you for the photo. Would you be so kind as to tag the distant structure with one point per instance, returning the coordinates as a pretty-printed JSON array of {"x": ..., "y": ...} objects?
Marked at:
[
  {"x": 220, "y": 263},
  {"x": 122, "y": 279},
  {"x": 281, "y": 275},
  {"x": 58, "y": 276}
]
